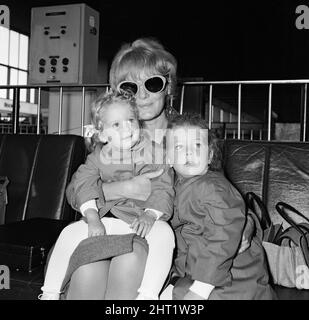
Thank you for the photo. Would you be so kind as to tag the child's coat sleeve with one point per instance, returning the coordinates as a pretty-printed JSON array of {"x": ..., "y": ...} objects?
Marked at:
[
  {"x": 162, "y": 193},
  {"x": 223, "y": 224},
  {"x": 86, "y": 184}
]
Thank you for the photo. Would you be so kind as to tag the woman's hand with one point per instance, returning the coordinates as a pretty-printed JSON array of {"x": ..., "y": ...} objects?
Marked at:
[{"x": 138, "y": 188}]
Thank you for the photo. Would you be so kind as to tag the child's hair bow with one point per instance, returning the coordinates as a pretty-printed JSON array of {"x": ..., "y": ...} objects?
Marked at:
[{"x": 90, "y": 130}]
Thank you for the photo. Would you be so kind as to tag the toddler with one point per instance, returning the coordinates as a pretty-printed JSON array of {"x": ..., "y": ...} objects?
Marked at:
[
  {"x": 120, "y": 151},
  {"x": 209, "y": 218}
]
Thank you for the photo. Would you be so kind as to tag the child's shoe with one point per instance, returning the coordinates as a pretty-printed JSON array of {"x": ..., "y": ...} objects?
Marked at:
[
  {"x": 142, "y": 296},
  {"x": 49, "y": 296}
]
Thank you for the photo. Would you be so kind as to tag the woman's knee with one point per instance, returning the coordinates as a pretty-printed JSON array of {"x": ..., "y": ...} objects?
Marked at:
[
  {"x": 139, "y": 252},
  {"x": 95, "y": 271},
  {"x": 126, "y": 273},
  {"x": 89, "y": 281}
]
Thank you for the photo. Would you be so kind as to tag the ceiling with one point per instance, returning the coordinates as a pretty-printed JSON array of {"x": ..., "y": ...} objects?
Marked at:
[
  {"x": 216, "y": 40},
  {"x": 213, "y": 40}
]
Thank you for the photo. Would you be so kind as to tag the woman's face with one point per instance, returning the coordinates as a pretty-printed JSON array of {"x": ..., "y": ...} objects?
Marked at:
[{"x": 150, "y": 105}]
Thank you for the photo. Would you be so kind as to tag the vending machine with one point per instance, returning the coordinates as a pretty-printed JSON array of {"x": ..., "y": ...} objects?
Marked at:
[
  {"x": 64, "y": 48},
  {"x": 64, "y": 45}
]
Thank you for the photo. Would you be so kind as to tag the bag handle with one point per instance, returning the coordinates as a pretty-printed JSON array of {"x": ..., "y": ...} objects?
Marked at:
[
  {"x": 302, "y": 228},
  {"x": 251, "y": 199},
  {"x": 283, "y": 209}
]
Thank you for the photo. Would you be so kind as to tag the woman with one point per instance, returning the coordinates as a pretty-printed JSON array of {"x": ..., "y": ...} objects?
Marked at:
[{"x": 148, "y": 71}]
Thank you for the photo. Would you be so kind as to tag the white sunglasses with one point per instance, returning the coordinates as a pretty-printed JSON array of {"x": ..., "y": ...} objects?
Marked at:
[{"x": 154, "y": 84}]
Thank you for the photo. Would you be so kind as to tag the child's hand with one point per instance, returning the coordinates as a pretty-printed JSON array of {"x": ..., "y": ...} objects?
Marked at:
[
  {"x": 190, "y": 295},
  {"x": 143, "y": 224},
  {"x": 96, "y": 229},
  {"x": 247, "y": 235},
  {"x": 245, "y": 244},
  {"x": 95, "y": 225}
]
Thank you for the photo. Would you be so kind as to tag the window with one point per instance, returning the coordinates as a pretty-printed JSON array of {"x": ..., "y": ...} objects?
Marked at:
[
  {"x": 14, "y": 48},
  {"x": 3, "y": 80}
]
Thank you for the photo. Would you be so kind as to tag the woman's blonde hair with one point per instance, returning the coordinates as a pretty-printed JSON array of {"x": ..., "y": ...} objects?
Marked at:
[{"x": 145, "y": 54}]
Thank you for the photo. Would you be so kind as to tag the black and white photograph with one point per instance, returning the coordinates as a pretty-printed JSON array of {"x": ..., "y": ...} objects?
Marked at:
[{"x": 154, "y": 150}]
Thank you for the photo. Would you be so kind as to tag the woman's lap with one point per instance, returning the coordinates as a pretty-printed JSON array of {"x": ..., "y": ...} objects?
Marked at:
[
  {"x": 121, "y": 277},
  {"x": 126, "y": 274},
  {"x": 89, "y": 281}
]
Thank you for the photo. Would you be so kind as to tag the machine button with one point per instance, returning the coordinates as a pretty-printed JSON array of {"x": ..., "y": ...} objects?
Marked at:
[
  {"x": 53, "y": 61},
  {"x": 65, "y": 61}
]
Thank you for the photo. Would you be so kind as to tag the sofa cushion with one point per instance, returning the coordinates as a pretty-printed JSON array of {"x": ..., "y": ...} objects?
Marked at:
[
  {"x": 276, "y": 171},
  {"x": 288, "y": 177},
  {"x": 17, "y": 159},
  {"x": 58, "y": 157},
  {"x": 244, "y": 165},
  {"x": 39, "y": 167}
]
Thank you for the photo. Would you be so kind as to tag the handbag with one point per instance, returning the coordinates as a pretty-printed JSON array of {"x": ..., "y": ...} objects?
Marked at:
[
  {"x": 255, "y": 204},
  {"x": 25, "y": 244},
  {"x": 287, "y": 249}
]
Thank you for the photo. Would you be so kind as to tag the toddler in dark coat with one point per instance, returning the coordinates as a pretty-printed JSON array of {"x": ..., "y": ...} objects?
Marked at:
[{"x": 209, "y": 217}]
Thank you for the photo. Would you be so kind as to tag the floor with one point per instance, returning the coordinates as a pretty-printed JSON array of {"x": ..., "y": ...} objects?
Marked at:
[{"x": 26, "y": 286}]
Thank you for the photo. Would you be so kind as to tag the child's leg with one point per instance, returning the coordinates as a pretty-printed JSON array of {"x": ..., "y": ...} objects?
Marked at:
[
  {"x": 161, "y": 242},
  {"x": 66, "y": 243}
]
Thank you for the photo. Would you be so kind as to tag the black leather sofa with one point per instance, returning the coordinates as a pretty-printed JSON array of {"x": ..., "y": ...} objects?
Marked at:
[
  {"x": 39, "y": 168},
  {"x": 276, "y": 171}
]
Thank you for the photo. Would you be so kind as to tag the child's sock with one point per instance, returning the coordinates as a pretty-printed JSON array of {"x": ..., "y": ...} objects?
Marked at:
[
  {"x": 49, "y": 296},
  {"x": 143, "y": 296}
]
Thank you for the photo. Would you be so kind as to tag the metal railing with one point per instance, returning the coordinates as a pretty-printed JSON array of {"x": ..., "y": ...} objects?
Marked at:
[
  {"x": 182, "y": 86},
  {"x": 240, "y": 84},
  {"x": 16, "y": 102},
  {"x": 23, "y": 128}
]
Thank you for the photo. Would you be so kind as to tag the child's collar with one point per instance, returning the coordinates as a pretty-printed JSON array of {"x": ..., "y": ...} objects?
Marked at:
[{"x": 181, "y": 179}]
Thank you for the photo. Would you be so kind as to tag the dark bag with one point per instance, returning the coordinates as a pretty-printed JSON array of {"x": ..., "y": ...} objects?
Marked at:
[
  {"x": 24, "y": 245},
  {"x": 286, "y": 249},
  {"x": 271, "y": 231},
  {"x": 298, "y": 232}
]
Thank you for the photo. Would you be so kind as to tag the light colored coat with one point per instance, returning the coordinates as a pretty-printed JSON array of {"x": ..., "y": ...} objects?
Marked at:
[{"x": 146, "y": 156}]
